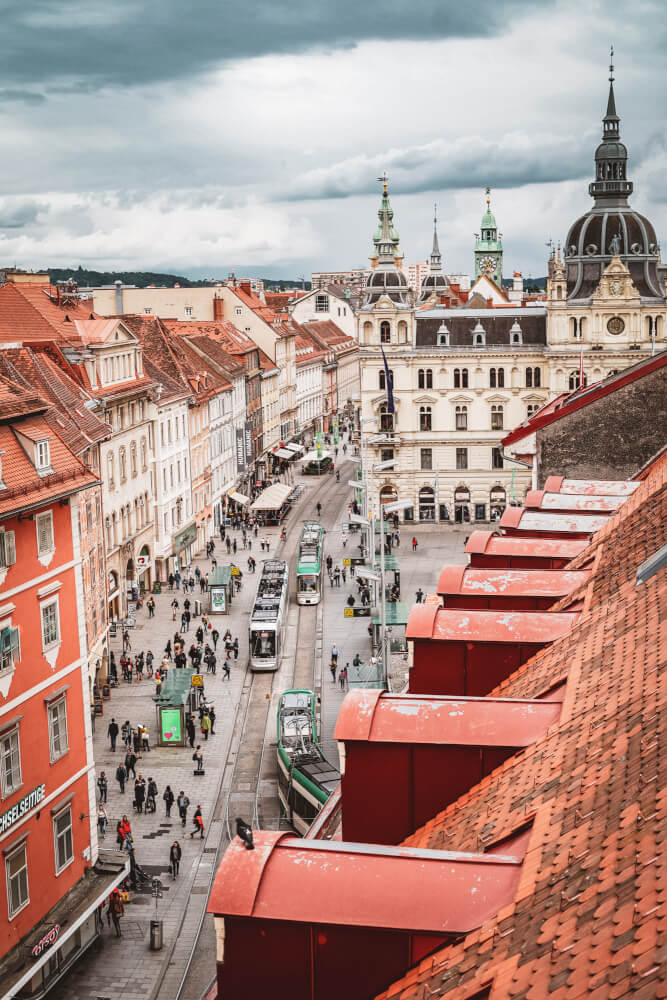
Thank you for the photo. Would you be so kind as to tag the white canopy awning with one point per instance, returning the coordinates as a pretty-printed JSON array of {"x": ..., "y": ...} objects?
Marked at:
[
  {"x": 228, "y": 487},
  {"x": 297, "y": 448},
  {"x": 272, "y": 498},
  {"x": 285, "y": 453},
  {"x": 239, "y": 498},
  {"x": 312, "y": 456}
]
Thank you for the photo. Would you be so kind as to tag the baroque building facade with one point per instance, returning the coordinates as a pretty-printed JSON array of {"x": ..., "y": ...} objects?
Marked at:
[{"x": 462, "y": 375}]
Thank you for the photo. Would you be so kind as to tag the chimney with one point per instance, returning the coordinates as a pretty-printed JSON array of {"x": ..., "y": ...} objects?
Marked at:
[
  {"x": 245, "y": 287},
  {"x": 119, "y": 297},
  {"x": 218, "y": 308}
]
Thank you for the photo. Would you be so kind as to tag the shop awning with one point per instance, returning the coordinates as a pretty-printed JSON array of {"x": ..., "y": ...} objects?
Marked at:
[
  {"x": 239, "y": 498},
  {"x": 285, "y": 453},
  {"x": 296, "y": 448},
  {"x": 396, "y": 613},
  {"x": 312, "y": 456},
  {"x": 228, "y": 487},
  {"x": 272, "y": 498}
]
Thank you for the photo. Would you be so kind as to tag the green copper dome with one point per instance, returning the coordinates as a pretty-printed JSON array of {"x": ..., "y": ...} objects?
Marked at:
[{"x": 489, "y": 220}]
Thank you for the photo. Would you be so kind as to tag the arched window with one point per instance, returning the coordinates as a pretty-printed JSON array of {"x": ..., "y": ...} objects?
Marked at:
[
  {"x": 385, "y": 331},
  {"x": 420, "y": 379},
  {"x": 574, "y": 381},
  {"x": 531, "y": 408},
  {"x": 537, "y": 377},
  {"x": 575, "y": 326},
  {"x": 425, "y": 418},
  {"x": 429, "y": 378},
  {"x": 110, "y": 470},
  {"x": 457, "y": 378},
  {"x": 368, "y": 330},
  {"x": 497, "y": 378},
  {"x": 492, "y": 378},
  {"x": 386, "y": 419},
  {"x": 498, "y": 502},
  {"x": 529, "y": 378},
  {"x": 462, "y": 418},
  {"x": 402, "y": 331},
  {"x": 496, "y": 418},
  {"x": 516, "y": 336},
  {"x": 460, "y": 378}
]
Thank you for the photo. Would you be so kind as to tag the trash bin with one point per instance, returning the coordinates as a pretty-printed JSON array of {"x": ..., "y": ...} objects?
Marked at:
[
  {"x": 156, "y": 935},
  {"x": 197, "y": 608}
]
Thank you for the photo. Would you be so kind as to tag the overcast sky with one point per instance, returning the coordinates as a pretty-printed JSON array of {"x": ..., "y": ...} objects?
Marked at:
[{"x": 196, "y": 137}]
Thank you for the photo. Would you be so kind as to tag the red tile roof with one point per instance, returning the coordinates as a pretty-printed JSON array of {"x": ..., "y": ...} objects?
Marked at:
[
  {"x": 588, "y": 918},
  {"x": 330, "y": 336},
  {"x": 570, "y": 402},
  {"x": 231, "y": 339},
  {"x": 20, "y": 322},
  {"x": 176, "y": 359}
]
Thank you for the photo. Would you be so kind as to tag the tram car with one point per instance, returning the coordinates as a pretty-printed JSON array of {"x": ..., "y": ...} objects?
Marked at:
[
  {"x": 268, "y": 617},
  {"x": 306, "y": 779},
  {"x": 310, "y": 557}
]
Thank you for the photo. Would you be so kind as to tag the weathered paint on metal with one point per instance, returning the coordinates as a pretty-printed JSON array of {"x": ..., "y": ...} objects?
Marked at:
[
  {"x": 517, "y": 627},
  {"x": 592, "y": 487},
  {"x": 509, "y": 582},
  {"x": 519, "y": 520},
  {"x": 572, "y": 502},
  {"x": 487, "y": 544}
]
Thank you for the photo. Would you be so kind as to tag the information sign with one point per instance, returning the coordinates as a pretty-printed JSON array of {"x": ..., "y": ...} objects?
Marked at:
[{"x": 170, "y": 721}]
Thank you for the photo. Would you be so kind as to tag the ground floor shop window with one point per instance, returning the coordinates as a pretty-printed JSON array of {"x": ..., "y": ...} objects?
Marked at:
[{"x": 480, "y": 512}]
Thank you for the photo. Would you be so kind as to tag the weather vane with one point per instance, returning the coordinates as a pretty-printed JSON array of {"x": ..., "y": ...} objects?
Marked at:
[
  {"x": 383, "y": 178},
  {"x": 611, "y": 65},
  {"x": 435, "y": 213}
]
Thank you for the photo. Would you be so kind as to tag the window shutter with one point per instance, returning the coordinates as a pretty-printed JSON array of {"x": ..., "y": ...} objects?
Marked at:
[
  {"x": 10, "y": 548},
  {"x": 45, "y": 540},
  {"x": 15, "y": 643}
]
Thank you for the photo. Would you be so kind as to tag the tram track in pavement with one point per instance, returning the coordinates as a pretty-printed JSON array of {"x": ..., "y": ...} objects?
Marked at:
[{"x": 249, "y": 786}]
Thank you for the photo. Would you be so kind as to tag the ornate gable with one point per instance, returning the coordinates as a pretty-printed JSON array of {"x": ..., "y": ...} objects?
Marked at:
[{"x": 615, "y": 284}]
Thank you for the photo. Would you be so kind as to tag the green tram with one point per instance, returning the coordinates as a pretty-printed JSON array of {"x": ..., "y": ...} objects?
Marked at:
[
  {"x": 305, "y": 778},
  {"x": 309, "y": 560}
]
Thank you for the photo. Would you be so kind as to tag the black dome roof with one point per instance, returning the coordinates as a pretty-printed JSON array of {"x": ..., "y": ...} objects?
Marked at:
[{"x": 591, "y": 235}]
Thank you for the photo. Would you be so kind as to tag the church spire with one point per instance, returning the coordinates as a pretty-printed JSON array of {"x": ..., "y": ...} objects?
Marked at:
[
  {"x": 436, "y": 258},
  {"x": 611, "y": 156},
  {"x": 386, "y": 237}
]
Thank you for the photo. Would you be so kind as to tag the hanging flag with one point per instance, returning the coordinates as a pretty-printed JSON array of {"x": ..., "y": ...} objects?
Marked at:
[{"x": 390, "y": 384}]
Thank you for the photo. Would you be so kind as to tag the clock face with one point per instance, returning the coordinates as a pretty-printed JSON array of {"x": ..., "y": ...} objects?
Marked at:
[
  {"x": 488, "y": 263},
  {"x": 616, "y": 325}
]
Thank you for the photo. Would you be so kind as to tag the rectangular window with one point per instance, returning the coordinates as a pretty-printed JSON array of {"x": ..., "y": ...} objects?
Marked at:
[
  {"x": 58, "y": 728},
  {"x": 44, "y": 533},
  {"x": 461, "y": 458},
  {"x": 43, "y": 455},
  {"x": 7, "y": 549},
  {"x": 188, "y": 310},
  {"x": 497, "y": 418},
  {"x": 62, "y": 839},
  {"x": 50, "y": 624},
  {"x": 426, "y": 458},
  {"x": 321, "y": 303},
  {"x": 386, "y": 454},
  {"x": 461, "y": 418},
  {"x": 10, "y": 762},
  {"x": 496, "y": 458},
  {"x": 10, "y": 650},
  {"x": 16, "y": 868}
]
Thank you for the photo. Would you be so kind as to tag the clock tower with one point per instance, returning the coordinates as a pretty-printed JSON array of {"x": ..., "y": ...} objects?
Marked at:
[{"x": 489, "y": 247}]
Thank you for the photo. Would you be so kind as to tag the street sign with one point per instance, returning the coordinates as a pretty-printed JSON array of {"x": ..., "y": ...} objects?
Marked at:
[
  {"x": 357, "y": 612},
  {"x": 235, "y": 571},
  {"x": 346, "y": 562},
  {"x": 358, "y": 519},
  {"x": 197, "y": 681}
]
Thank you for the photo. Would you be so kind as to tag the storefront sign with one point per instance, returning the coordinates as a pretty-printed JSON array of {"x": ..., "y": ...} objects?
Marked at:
[
  {"x": 185, "y": 537},
  {"x": 170, "y": 724},
  {"x": 143, "y": 562},
  {"x": 20, "y": 808},
  {"x": 240, "y": 450},
  {"x": 248, "y": 441},
  {"x": 46, "y": 941},
  {"x": 218, "y": 600},
  {"x": 197, "y": 681}
]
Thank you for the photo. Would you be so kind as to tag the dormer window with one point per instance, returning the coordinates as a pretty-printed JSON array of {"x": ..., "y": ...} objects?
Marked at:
[
  {"x": 443, "y": 335},
  {"x": 42, "y": 456},
  {"x": 147, "y": 312},
  {"x": 516, "y": 336},
  {"x": 478, "y": 335}
]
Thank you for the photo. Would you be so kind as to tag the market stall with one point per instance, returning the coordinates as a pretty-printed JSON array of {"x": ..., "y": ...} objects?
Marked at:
[{"x": 272, "y": 504}]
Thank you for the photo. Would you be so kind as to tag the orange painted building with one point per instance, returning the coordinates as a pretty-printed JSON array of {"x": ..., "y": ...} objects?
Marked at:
[{"x": 50, "y": 884}]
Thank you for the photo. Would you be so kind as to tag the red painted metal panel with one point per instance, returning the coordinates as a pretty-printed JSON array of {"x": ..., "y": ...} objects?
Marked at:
[
  {"x": 256, "y": 950},
  {"x": 485, "y": 588},
  {"x": 440, "y": 775},
  {"x": 517, "y": 520},
  {"x": 440, "y": 720},
  {"x": 488, "y": 549},
  {"x": 573, "y": 502},
  {"x": 392, "y": 888},
  {"x": 376, "y": 789},
  {"x": 490, "y": 664},
  {"x": 538, "y": 627},
  {"x": 435, "y": 673},
  {"x": 593, "y": 487},
  {"x": 348, "y": 963}
]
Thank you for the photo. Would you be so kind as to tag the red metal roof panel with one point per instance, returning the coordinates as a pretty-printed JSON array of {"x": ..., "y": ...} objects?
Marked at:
[
  {"x": 511, "y": 582},
  {"x": 445, "y": 625},
  {"x": 572, "y": 502},
  {"x": 594, "y": 487},
  {"x": 517, "y": 519},
  {"x": 381, "y": 717},
  {"x": 312, "y": 881},
  {"x": 491, "y": 544}
]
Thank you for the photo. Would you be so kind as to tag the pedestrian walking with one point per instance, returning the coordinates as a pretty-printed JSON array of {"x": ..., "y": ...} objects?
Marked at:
[
  {"x": 151, "y": 796},
  {"x": 175, "y": 858},
  {"x": 130, "y": 763},
  {"x": 174, "y": 609},
  {"x": 197, "y": 823},
  {"x": 235, "y": 647},
  {"x": 127, "y": 645},
  {"x": 168, "y": 797},
  {"x": 149, "y": 662},
  {"x": 139, "y": 793},
  {"x": 343, "y": 574},
  {"x": 102, "y": 784},
  {"x": 419, "y": 596},
  {"x": 117, "y": 910},
  {"x": 334, "y": 653},
  {"x": 211, "y": 715},
  {"x": 171, "y": 581},
  {"x": 112, "y": 731},
  {"x": 342, "y": 677},
  {"x": 120, "y": 778},
  {"x": 333, "y": 667},
  {"x": 414, "y": 544},
  {"x": 215, "y": 635},
  {"x": 167, "y": 649},
  {"x": 183, "y": 802},
  {"x": 177, "y": 578},
  {"x": 198, "y": 758},
  {"x": 102, "y": 819},
  {"x": 205, "y": 725},
  {"x": 190, "y": 728}
]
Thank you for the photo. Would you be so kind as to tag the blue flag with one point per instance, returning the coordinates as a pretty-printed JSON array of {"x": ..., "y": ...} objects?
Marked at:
[{"x": 389, "y": 378}]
